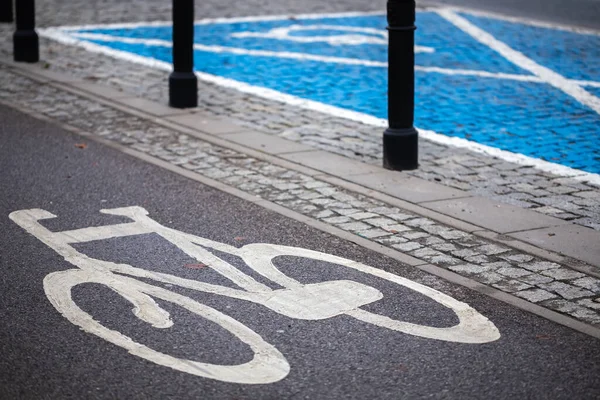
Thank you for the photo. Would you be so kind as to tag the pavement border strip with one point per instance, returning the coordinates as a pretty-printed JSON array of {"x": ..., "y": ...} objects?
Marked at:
[
  {"x": 111, "y": 98},
  {"x": 386, "y": 251}
]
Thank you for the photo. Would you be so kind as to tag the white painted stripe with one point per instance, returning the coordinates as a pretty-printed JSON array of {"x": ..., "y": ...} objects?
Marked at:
[
  {"x": 517, "y": 20},
  {"x": 207, "y": 21},
  {"x": 359, "y": 35},
  {"x": 101, "y": 233},
  {"x": 587, "y": 83},
  {"x": 235, "y": 50},
  {"x": 312, "y": 57},
  {"x": 522, "y": 61},
  {"x": 520, "y": 159}
]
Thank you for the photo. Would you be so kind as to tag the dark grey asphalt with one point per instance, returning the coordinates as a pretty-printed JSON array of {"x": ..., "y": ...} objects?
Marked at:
[
  {"x": 44, "y": 356},
  {"x": 580, "y": 13}
]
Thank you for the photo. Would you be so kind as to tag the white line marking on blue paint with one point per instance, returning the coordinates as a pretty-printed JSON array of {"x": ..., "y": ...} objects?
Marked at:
[
  {"x": 63, "y": 35},
  {"x": 519, "y": 59},
  {"x": 326, "y": 59},
  {"x": 518, "y": 20}
]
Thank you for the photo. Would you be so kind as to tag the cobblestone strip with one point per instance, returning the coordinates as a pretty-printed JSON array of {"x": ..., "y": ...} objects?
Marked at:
[
  {"x": 479, "y": 174},
  {"x": 545, "y": 283}
]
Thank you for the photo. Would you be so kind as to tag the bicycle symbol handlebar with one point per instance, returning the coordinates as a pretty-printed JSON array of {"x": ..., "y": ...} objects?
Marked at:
[{"x": 315, "y": 301}]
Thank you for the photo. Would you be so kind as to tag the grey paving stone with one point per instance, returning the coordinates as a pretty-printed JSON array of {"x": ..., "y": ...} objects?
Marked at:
[
  {"x": 150, "y": 107},
  {"x": 372, "y": 233},
  {"x": 513, "y": 272},
  {"x": 589, "y": 283},
  {"x": 511, "y": 286},
  {"x": 390, "y": 240},
  {"x": 572, "y": 240},
  {"x": 535, "y": 279},
  {"x": 206, "y": 123},
  {"x": 380, "y": 221},
  {"x": 491, "y": 249},
  {"x": 463, "y": 253},
  {"x": 481, "y": 259},
  {"x": 446, "y": 247},
  {"x": 363, "y": 215},
  {"x": 407, "y": 246},
  {"x": 489, "y": 277},
  {"x": 355, "y": 226},
  {"x": 589, "y": 304},
  {"x": 266, "y": 143},
  {"x": 330, "y": 163},
  {"x": 396, "y": 228},
  {"x": 574, "y": 309},
  {"x": 399, "y": 217},
  {"x": 535, "y": 295},
  {"x": 102, "y": 90},
  {"x": 565, "y": 290},
  {"x": 351, "y": 212},
  {"x": 537, "y": 266},
  {"x": 518, "y": 258},
  {"x": 406, "y": 187},
  {"x": 492, "y": 215},
  {"x": 415, "y": 235},
  {"x": 337, "y": 220},
  {"x": 468, "y": 269},
  {"x": 562, "y": 274}
]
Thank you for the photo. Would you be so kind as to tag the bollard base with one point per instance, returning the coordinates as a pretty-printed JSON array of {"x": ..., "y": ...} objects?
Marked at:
[
  {"x": 26, "y": 47},
  {"x": 401, "y": 149},
  {"x": 183, "y": 90}
]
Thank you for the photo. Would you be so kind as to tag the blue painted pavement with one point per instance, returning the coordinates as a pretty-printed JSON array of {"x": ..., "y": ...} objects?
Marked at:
[{"x": 531, "y": 118}]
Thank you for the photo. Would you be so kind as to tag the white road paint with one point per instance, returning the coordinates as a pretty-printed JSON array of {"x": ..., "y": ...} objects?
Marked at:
[
  {"x": 517, "y": 20},
  {"x": 283, "y": 17},
  {"x": 64, "y": 35},
  {"x": 325, "y": 59},
  {"x": 519, "y": 59},
  {"x": 296, "y": 300},
  {"x": 233, "y": 50},
  {"x": 359, "y": 36},
  {"x": 220, "y": 20}
]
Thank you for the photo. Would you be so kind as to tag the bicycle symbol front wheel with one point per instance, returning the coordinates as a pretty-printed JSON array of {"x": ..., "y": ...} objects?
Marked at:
[
  {"x": 267, "y": 366},
  {"x": 471, "y": 328}
]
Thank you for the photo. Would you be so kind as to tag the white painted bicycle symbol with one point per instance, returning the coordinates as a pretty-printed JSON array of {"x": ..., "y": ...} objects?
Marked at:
[{"x": 296, "y": 300}]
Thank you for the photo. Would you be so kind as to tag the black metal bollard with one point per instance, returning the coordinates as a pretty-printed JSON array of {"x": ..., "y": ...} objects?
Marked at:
[
  {"x": 6, "y": 10},
  {"x": 26, "y": 45},
  {"x": 183, "y": 84},
  {"x": 401, "y": 139}
]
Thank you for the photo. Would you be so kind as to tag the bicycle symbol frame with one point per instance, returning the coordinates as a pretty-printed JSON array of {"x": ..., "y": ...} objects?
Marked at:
[{"x": 296, "y": 300}]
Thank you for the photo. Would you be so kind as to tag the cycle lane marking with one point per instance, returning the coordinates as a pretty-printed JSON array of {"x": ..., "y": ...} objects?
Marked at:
[{"x": 302, "y": 301}]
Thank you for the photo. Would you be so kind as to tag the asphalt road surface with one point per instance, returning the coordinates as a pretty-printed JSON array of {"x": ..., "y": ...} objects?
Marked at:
[{"x": 303, "y": 352}]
